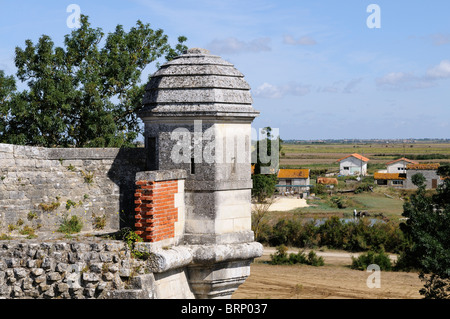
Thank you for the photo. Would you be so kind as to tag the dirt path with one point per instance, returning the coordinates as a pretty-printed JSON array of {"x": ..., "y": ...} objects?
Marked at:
[
  {"x": 283, "y": 204},
  {"x": 334, "y": 280}
]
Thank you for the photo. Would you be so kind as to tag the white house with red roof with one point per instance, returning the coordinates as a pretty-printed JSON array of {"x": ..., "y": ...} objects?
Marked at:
[
  {"x": 353, "y": 164},
  {"x": 398, "y": 166}
]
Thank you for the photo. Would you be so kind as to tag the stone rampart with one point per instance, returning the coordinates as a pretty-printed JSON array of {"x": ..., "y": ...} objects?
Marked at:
[
  {"x": 65, "y": 269},
  {"x": 39, "y": 187}
]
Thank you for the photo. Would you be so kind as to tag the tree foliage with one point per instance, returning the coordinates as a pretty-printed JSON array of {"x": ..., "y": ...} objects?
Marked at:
[
  {"x": 428, "y": 228},
  {"x": 85, "y": 94},
  {"x": 263, "y": 183}
]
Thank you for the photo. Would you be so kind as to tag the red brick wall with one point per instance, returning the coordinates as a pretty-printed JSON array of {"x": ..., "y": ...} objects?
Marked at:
[{"x": 155, "y": 210}]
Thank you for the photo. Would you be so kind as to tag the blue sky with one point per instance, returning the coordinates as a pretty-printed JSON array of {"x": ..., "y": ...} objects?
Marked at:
[{"x": 316, "y": 70}]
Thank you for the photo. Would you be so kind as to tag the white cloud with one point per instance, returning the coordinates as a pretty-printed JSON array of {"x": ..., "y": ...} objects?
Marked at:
[
  {"x": 267, "y": 90},
  {"x": 351, "y": 85},
  {"x": 232, "y": 45},
  {"x": 408, "y": 81},
  {"x": 305, "y": 40},
  {"x": 341, "y": 86},
  {"x": 394, "y": 78},
  {"x": 441, "y": 71},
  {"x": 404, "y": 81}
]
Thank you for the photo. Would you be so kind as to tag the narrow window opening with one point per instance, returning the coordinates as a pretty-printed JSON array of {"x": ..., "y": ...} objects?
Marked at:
[
  {"x": 192, "y": 166},
  {"x": 152, "y": 155}
]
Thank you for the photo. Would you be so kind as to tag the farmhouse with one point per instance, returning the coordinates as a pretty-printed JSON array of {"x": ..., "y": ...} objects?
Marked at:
[
  {"x": 395, "y": 174},
  {"x": 293, "y": 180},
  {"x": 353, "y": 164},
  {"x": 399, "y": 165}
]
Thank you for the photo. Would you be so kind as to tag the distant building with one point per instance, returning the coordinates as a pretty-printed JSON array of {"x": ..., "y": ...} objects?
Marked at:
[
  {"x": 397, "y": 180},
  {"x": 353, "y": 164},
  {"x": 429, "y": 171},
  {"x": 293, "y": 180},
  {"x": 399, "y": 165}
]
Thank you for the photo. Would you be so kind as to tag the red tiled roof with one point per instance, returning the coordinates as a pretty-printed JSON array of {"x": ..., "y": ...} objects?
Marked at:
[
  {"x": 360, "y": 157},
  {"x": 402, "y": 159}
]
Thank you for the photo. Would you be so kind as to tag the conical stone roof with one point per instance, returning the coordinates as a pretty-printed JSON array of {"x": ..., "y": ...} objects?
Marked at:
[{"x": 198, "y": 83}]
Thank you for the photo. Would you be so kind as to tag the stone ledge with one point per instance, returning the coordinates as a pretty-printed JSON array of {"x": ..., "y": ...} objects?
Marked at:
[
  {"x": 161, "y": 175},
  {"x": 211, "y": 254},
  {"x": 162, "y": 260}
]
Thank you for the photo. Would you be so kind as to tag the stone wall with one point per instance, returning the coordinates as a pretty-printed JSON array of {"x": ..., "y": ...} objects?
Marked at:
[
  {"x": 39, "y": 187},
  {"x": 94, "y": 269}
]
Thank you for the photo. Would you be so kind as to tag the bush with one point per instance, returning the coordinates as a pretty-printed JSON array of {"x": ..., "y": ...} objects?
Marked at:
[
  {"x": 364, "y": 187},
  {"x": 337, "y": 234},
  {"x": 318, "y": 189},
  {"x": 371, "y": 257},
  {"x": 282, "y": 258},
  {"x": 338, "y": 201}
]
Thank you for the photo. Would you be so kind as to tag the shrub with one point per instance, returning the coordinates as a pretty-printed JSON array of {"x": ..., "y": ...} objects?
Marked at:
[
  {"x": 338, "y": 201},
  {"x": 335, "y": 233},
  {"x": 371, "y": 257},
  {"x": 314, "y": 260},
  {"x": 318, "y": 189},
  {"x": 364, "y": 187},
  {"x": 281, "y": 258}
]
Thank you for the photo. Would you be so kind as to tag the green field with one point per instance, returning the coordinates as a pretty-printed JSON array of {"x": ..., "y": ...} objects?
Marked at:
[
  {"x": 376, "y": 204},
  {"x": 325, "y": 155}
]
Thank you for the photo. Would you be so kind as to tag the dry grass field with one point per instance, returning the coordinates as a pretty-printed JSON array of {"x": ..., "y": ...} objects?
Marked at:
[{"x": 335, "y": 280}]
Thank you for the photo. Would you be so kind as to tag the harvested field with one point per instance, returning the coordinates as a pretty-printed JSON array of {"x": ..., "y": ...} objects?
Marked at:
[{"x": 335, "y": 280}]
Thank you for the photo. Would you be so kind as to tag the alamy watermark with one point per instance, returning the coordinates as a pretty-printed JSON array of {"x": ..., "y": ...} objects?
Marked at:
[
  {"x": 73, "y": 20},
  {"x": 374, "y": 19},
  {"x": 374, "y": 279},
  {"x": 227, "y": 145}
]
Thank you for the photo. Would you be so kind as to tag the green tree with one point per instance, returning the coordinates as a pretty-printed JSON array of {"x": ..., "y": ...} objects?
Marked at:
[
  {"x": 428, "y": 228},
  {"x": 263, "y": 186},
  {"x": 263, "y": 183},
  {"x": 87, "y": 93},
  {"x": 7, "y": 89}
]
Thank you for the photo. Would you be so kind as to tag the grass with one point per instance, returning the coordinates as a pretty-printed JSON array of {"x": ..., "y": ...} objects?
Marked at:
[
  {"x": 379, "y": 203},
  {"x": 373, "y": 203},
  {"x": 71, "y": 226}
]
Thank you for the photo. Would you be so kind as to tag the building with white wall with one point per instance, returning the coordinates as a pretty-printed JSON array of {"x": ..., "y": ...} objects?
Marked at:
[
  {"x": 398, "y": 166},
  {"x": 353, "y": 164}
]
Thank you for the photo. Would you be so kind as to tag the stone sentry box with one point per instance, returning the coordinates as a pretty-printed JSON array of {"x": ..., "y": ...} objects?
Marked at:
[{"x": 197, "y": 114}]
